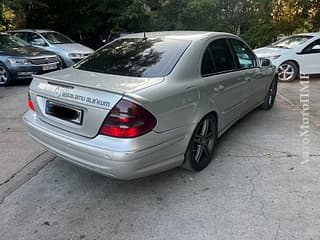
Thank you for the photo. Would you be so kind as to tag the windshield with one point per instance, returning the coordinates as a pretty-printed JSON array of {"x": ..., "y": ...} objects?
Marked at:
[
  {"x": 136, "y": 57},
  {"x": 290, "y": 42},
  {"x": 8, "y": 41},
  {"x": 56, "y": 38}
]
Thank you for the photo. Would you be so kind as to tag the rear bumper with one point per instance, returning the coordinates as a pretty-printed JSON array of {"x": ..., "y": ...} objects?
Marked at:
[{"x": 118, "y": 158}]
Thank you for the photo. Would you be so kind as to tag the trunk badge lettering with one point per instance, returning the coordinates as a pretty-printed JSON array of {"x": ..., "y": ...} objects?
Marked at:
[{"x": 64, "y": 93}]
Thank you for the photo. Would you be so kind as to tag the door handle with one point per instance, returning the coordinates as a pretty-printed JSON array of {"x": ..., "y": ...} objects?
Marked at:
[{"x": 219, "y": 88}]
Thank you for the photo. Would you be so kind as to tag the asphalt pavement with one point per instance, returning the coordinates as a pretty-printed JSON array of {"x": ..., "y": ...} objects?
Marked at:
[
  {"x": 258, "y": 186},
  {"x": 291, "y": 92}
]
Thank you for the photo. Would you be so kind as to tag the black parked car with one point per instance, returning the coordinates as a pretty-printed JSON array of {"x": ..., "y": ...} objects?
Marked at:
[{"x": 19, "y": 60}]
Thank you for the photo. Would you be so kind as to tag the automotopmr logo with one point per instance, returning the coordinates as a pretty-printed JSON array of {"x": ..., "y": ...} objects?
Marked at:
[{"x": 305, "y": 123}]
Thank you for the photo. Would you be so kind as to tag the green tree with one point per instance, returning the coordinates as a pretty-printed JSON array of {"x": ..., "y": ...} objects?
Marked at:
[{"x": 297, "y": 15}]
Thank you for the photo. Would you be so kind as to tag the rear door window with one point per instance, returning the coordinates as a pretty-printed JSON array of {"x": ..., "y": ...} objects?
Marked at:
[
  {"x": 136, "y": 57},
  {"x": 222, "y": 56},
  {"x": 314, "y": 47},
  {"x": 207, "y": 65}
]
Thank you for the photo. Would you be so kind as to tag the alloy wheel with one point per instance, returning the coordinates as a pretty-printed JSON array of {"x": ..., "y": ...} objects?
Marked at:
[
  {"x": 287, "y": 72},
  {"x": 3, "y": 76},
  {"x": 202, "y": 144}
]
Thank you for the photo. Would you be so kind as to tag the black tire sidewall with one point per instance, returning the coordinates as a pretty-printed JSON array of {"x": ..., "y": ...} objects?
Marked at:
[{"x": 266, "y": 105}]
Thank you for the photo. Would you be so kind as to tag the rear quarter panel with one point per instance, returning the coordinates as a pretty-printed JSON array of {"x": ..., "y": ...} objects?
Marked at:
[{"x": 178, "y": 102}]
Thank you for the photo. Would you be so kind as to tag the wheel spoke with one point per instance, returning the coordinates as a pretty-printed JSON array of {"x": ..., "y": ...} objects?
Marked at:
[
  {"x": 206, "y": 151},
  {"x": 197, "y": 138},
  {"x": 210, "y": 136},
  {"x": 198, "y": 154},
  {"x": 205, "y": 128}
]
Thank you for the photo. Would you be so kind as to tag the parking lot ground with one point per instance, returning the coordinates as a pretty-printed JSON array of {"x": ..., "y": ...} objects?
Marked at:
[
  {"x": 257, "y": 187},
  {"x": 20, "y": 157},
  {"x": 291, "y": 92}
]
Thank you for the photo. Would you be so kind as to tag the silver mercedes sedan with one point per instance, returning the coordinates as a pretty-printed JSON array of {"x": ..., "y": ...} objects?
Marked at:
[{"x": 149, "y": 102}]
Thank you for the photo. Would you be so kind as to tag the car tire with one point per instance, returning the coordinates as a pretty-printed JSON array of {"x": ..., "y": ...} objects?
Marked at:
[
  {"x": 271, "y": 95},
  {"x": 288, "y": 71},
  {"x": 202, "y": 144},
  {"x": 5, "y": 76}
]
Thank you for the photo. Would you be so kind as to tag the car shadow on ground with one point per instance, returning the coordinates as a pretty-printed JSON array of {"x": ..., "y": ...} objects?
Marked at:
[{"x": 170, "y": 176}]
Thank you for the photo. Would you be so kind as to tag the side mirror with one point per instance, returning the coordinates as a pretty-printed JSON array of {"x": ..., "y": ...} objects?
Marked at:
[
  {"x": 38, "y": 42},
  {"x": 265, "y": 62}
]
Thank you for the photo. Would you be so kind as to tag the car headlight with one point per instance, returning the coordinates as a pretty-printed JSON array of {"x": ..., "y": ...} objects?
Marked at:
[
  {"x": 22, "y": 61},
  {"x": 76, "y": 55}
]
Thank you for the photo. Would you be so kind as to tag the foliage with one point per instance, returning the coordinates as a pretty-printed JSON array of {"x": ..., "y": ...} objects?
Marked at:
[
  {"x": 6, "y": 18},
  {"x": 258, "y": 21},
  {"x": 297, "y": 15}
]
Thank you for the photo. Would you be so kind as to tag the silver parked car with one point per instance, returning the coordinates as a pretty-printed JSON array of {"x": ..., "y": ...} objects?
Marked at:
[
  {"x": 19, "y": 60},
  {"x": 69, "y": 51},
  {"x": 142, "y": 105}
]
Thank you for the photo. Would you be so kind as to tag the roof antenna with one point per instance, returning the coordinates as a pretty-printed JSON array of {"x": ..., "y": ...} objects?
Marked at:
[{"x": 141, "y": 22}]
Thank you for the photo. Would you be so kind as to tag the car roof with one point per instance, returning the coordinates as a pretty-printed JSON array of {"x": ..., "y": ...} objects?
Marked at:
[
  {"x": 184, "y": 35},
  {"x": 313, "y": 34},
  {"x": 32, "y": 30}
]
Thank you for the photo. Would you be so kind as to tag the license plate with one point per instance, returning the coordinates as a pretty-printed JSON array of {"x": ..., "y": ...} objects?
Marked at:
[
  {"x": 49, "y": 67},
  {"x": 64, "y": 112}
]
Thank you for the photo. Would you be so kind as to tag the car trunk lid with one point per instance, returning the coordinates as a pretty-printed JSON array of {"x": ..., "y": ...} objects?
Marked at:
[{"x": 79, "y": 102}]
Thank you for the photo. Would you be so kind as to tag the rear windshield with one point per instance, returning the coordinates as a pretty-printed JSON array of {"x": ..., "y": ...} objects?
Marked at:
[{"x": 136, "y": 57}]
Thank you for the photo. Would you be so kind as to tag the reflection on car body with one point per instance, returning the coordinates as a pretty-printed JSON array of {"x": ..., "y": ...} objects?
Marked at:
[{"x": 170, "y": 96}]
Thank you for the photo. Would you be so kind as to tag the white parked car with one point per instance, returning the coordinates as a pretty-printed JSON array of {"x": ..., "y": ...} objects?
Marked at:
[{"x": 294, "y": 55}]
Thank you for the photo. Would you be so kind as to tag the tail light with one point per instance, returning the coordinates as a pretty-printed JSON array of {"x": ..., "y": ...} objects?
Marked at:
[
  {"x": 30, "y": 103},
  {"x": 128, "y": 120}
]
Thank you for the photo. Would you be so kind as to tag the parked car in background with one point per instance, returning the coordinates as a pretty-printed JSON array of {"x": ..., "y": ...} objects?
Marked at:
[
  {"x": 145, "y": 104},
  {"x": 294, "y": 55},
  {"x": 19, "y": 60},
  {"x": 69, "y": 51}
]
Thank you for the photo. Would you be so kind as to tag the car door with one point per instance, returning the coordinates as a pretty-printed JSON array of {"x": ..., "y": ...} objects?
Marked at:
[
  {"x": 222, "y": 81},
  {"x": 251, "y": 73},
  {"x": 309, "y": 58}
]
